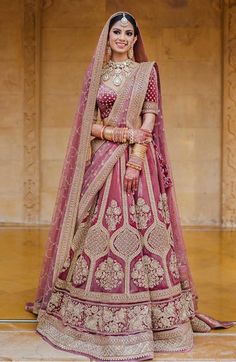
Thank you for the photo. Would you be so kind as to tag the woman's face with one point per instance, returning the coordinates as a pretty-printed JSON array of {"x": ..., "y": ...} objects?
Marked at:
[{"x": 121, "y": 38}]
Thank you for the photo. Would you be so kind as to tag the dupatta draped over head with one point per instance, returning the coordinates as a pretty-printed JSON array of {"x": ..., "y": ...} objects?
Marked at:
[{"x": 65, "y": 220}]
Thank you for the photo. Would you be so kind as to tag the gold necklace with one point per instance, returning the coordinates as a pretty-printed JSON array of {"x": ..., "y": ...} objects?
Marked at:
[{"x": 117, "y": 70}]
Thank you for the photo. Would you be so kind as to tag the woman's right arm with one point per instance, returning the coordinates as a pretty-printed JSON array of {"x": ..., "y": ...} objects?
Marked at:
[{"x": 96, "y": 130}]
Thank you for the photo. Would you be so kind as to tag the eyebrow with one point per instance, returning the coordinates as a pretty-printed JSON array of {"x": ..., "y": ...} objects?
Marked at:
[{"x": 121, "y": 29}]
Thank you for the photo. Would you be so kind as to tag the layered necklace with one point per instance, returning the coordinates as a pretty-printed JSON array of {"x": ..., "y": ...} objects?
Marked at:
[{"x": 117, "y": 71}]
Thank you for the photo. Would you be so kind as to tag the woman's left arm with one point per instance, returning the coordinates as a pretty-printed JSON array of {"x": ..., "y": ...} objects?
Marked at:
[
  {"x": 132, "y": 174},
  {"x": 148, "y": 121},
  {"x": 149, "y": 111}
]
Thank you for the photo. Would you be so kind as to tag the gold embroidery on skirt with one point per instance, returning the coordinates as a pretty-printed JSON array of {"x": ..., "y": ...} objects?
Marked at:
[
  {"x": 113, "y": 215},
  {"x": 116, "y": 348},
  {"x": 109, "y": 274}
]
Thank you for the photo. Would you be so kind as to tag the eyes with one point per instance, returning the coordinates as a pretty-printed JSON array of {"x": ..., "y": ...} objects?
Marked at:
[{"x": 118, "y": 32}]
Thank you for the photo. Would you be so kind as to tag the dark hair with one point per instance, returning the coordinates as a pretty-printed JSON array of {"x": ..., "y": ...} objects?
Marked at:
[{"x": 128, "y": 17}]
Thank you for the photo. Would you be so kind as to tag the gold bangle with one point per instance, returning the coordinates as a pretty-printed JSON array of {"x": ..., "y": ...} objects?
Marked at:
[
  {"x": 136, "y": 167},
  {"x": 125, "y": 134},
  {"x": 140, "y": 147},
  {"x": 139, "y": 150},
  {"x": 108, "y": 133},
  {"x": 102, "y": 130},
  {"x": 138, "y": 154},
  {"x": 129, "y": 163}
]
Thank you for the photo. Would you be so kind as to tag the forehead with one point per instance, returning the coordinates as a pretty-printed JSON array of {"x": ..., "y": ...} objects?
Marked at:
[{"x": 118, "y": 25}]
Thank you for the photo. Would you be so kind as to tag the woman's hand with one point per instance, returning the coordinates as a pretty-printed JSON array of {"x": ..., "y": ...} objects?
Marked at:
[
  {"x": 142, "y": 135},
  {"x": 131, "y": 180}
]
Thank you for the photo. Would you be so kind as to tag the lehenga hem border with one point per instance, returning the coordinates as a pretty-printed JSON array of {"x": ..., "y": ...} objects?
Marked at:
[
  {"x": 144, "y": 357},
  {"x": 140, "y": 346}
]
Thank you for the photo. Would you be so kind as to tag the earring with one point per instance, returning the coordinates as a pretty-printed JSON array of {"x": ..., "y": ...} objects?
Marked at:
[
  {"x": 131, "y": 52},
  {"x": 108, "y": 53}
]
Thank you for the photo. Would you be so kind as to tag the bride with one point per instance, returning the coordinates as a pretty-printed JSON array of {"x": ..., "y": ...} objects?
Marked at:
[{"x": 115, "y": 284}]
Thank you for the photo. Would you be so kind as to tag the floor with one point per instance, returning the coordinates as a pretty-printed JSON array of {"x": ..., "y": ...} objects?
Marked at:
[{"x": 212, "y": 256}]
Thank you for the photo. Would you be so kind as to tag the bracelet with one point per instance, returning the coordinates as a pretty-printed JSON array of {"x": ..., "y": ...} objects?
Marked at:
[
  {"x": 125, "y": 134},
  {"x": 101, "y": 135},
  {"x": 131, "y": 135},
  {"x": 139, "y": 150},
  {"x": 120, "y": 134},
  {"x": 108, "y": 133},
  {"x": 136, "y": 160},
  {"x": 134, "y": 165}
]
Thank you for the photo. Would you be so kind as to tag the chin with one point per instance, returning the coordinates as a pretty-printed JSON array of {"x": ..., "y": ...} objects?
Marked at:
[{"x": 121, "y": 51}]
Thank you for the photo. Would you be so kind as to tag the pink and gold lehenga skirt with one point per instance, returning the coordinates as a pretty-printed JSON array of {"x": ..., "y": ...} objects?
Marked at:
[{"x": 119, "y": 295}]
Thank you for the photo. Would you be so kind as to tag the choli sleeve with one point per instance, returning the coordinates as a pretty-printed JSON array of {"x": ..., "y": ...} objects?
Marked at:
[{"x": 150, "y": 101}]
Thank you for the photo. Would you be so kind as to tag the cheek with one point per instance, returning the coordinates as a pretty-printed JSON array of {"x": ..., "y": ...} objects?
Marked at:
[{"x": 112, "y": 38}]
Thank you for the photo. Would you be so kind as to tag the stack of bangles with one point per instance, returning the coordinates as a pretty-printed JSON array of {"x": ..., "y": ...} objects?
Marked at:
[
  {"x": 115, "y": 134},
  {"x": 137, "y": 156}
]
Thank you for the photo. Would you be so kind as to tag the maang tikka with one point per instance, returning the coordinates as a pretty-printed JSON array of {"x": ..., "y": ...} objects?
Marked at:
[{"x": 124, "y": 20}]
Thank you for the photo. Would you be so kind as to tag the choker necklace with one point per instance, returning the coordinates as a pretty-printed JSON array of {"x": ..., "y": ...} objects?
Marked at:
[{"x": 117, "y": 70}]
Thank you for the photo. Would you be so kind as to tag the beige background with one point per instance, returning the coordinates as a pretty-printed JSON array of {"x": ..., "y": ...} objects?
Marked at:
[{"x": 45, "y": 48}]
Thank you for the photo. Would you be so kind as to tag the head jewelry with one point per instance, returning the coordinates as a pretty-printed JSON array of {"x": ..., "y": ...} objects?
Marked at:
[{"x": 124, "y": 20}]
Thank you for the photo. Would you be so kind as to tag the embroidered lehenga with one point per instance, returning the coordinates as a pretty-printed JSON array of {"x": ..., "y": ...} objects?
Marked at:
[{"x": 115, "y": 284}]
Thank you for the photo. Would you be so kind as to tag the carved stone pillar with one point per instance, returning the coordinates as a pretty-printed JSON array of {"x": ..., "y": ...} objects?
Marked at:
[
  {"x": 31, "y": 53},
  {"x": 228, "y": 210}
]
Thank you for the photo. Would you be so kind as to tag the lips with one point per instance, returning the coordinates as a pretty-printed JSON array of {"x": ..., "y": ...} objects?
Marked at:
[{"x": 121, "y": 45}]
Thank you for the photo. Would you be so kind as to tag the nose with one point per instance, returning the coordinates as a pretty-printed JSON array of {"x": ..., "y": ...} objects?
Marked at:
[{"x": 122, "y": 36}]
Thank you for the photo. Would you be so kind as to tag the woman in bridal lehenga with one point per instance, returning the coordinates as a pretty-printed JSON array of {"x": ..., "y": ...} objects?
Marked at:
[{"x": 115, "y": 284}]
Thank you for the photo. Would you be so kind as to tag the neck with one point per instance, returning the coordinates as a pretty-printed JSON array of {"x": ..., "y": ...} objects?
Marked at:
[{"x": 117, "y": 57}]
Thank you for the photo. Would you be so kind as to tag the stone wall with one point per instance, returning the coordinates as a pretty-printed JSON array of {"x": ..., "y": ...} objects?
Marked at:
[
  {"x": 11, "y": 112},
  {"x": 183, "y": 36}
]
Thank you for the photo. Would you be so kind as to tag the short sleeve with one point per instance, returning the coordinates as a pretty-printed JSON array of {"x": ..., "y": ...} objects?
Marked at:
[{"x": 150, "y": 101}]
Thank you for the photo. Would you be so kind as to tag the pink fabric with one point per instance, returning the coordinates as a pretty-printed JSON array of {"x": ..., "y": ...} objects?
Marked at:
[
  {"x": 152, "y": 92},
  {"x": 214, "y": 323},
  {"x": 46, "y": 278},
  {"x": 105, "y": 100}
]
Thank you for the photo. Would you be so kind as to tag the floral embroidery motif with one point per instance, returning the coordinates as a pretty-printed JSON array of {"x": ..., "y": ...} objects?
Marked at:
[
  {"x": 113, "y": 215},
  {"x": 147, "y": 272},
  {"x": 81, "y": 271},
  {"x": 163, "y": 207},
  {"x": 173, "y": 265},
  {"x": 139, "y": 317},
  {"x": 109, "y": 274},
  {"x": 140, "y": 213},
  {"x": 121, "y": 318},
  {"x": 172, "y": 312},
  {"x": 54, "y": 301}
]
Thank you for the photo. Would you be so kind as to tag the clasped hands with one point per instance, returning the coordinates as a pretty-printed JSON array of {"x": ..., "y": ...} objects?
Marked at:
[
  {"x": 140, "y": 135},
  {"x": 125, "y": 134}
]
